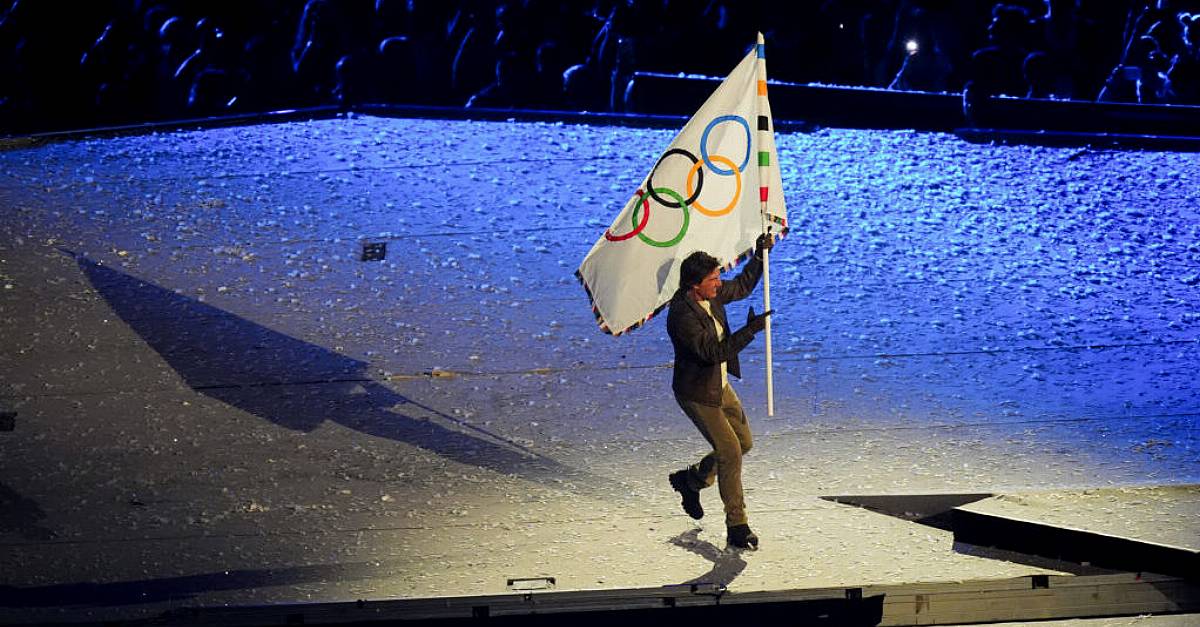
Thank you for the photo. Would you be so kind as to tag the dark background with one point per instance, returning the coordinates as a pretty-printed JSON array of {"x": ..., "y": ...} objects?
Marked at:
[{"x": 78, "y": 65}]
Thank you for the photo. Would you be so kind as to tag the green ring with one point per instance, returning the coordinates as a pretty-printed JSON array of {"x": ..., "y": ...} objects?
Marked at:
[{"x": 682, "y": 230}]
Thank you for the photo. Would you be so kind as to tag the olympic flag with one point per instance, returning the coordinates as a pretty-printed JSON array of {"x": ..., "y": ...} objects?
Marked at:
[{"x": 715, "y": 188}]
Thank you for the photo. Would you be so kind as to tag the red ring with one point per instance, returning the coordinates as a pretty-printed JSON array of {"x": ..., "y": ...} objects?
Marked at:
[{"x": 645, "y": 219}]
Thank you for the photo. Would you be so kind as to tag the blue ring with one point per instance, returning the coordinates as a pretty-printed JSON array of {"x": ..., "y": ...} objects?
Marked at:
[{"x": 704, "y": 143}]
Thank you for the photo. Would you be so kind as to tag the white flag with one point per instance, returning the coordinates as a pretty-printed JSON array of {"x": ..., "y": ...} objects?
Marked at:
[{"x": 715, "y": 188}]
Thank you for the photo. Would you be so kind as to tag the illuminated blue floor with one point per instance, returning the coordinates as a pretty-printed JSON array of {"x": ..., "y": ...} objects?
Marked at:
[{"x": 194, "y": 350}]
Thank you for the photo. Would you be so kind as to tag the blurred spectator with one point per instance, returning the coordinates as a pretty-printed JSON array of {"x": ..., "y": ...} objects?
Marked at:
[
  {"x": 315, "y": 51},
  {"x": 1041, "y": 75},
  {"x": 394, "y": 77},
  {"x": 352, "y": 79},
  {"x": 212, "y": 73},
  {"x": 510, "y": 88},
  {"x": 925, "y": 66},
  {"x": 103, "y": 65},
  {"x": 1190, "y": 34},
  {"x": 1158, "y": 60},
  {"x": 474, "y": 64},
  {"x": 998, "y": 68},
  {"x": 328, "y": 31},
  {"x": 584, "y": 87},
  {"x": 213, "y": 91},
  {"x": 173, "y": 48},
  {"x": 549, "y": 66},
  {"x": 1183, "y": 75},
  {"x": 888, "y": 29},
  {"x": 1050, "y": 71},
  {"x": 612, "y": 53},
  {"x": 1141, "y": 77},
  {"x": 266, "y": 59}
]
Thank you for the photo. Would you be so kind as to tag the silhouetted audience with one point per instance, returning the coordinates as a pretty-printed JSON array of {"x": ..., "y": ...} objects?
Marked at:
[{"x": 82, "y": 64}]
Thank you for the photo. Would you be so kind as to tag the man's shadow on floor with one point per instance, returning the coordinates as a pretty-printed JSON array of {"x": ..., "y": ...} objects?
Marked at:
[
  {"x": 186, "y": 587},
  {"x": 727, "y": 564},
  {"x": 299, "y": 385},
  {"x": 22, "y": 516}
]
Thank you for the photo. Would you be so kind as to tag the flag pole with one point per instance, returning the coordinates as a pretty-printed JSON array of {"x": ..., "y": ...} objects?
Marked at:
[
  {"x": 763, "y": 166},
  {"x": 767, "y": 307}
]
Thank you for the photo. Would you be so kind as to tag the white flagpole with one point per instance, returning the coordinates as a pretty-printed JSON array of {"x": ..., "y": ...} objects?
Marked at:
[
  {"x": 766, "y": 257},
  {"x": 767, "y": 307}
]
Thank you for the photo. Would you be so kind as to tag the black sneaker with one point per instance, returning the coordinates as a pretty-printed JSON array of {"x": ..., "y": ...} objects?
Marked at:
[
  {"x": 741, "y": 537},
  {"x": 691, "y": 498}
]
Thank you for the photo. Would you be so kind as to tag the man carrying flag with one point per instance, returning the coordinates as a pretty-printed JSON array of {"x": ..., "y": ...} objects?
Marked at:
[
  {"x": 706, "y": 353},
  {"x": 710, "y": 191}
]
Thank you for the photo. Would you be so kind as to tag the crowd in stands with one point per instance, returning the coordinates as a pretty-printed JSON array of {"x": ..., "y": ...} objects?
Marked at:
[{"x": 88, "y": 63}]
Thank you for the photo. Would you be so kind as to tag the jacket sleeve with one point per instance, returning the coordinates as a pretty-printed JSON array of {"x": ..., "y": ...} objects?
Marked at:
[
  {"x": 688, "y": 333},
  {"x": 741, "y": 286}
]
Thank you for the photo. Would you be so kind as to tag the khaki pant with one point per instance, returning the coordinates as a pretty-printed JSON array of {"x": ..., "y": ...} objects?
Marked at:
[{"x": 728, "y": 431}]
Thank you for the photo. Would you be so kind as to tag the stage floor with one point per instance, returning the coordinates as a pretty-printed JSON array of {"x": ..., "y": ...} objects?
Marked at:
[{"x": 218, "y": 402}]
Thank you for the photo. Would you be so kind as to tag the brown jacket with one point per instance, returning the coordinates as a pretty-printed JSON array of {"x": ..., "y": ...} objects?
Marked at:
[{"x": 698, "y": 352}]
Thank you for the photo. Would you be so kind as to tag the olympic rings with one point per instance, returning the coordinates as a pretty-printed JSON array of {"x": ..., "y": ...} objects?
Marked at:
[
  {"x": 682, "y": 229},
  {"x": 638, "y": 228},
  {"x": 694, "y": 183},
  {"x": 737, "y": 195},
  {"x": 650, "y": 179},
  {"x": 704, "y": 143}
]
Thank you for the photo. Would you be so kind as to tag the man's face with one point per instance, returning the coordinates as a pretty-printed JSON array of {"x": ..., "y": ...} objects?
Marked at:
[{"x": 707, "y": 289}]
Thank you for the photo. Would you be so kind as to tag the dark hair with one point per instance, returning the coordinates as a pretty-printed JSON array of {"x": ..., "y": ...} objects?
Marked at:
[{"x": 697, "y": 266}]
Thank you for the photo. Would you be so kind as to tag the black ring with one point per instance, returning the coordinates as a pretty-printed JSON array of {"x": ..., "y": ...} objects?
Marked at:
[{"x": 699, "y": 182}]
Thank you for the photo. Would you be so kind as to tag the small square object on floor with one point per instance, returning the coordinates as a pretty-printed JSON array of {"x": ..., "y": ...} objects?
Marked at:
[{"x": 374, "y": 251}]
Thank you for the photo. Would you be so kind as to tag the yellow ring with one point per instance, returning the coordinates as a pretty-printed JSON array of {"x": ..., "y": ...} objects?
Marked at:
[{"x": 715, "y": 213}]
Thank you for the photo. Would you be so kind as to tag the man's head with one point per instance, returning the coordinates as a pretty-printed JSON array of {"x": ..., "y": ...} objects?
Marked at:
[{"x": 700, "y": 273}]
